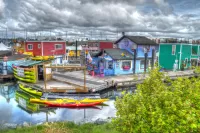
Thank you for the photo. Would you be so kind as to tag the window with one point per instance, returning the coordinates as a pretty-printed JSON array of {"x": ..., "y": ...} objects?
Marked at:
[
  {"x": 173, "y": 49},
  {"x": 110, "y": 65},
  {"x": 30, "y": 46},
  {"x": 126, "y": 65},
  {"x": 142, "y": 64},
  {"x": 148, "y": 64},
  {"x": 193, "y": 62},
  {"x": 58, "y": 46},
  {"x": 39, "y": 46},
  {"x": 194, "y": 50}
]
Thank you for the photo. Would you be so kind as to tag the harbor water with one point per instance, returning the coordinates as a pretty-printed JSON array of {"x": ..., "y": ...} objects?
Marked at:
[{"x": 16, "y": 109}]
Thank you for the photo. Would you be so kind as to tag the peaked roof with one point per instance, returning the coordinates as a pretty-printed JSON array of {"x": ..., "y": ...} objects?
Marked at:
[
  {"x": 117, "y": 54},
  {"x": 140, "y": 40}
]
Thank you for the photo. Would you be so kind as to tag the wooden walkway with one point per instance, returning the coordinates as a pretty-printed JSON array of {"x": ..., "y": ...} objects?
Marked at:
[
  {"x": 96, "y": 84},
  {"x": 8, "y": 76}
]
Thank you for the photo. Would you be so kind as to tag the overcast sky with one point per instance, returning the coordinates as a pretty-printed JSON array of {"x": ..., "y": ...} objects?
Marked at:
[{"x": 101, "y": 18}]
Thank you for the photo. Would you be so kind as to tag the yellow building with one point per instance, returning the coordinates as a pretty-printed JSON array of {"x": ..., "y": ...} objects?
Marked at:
[{"x": 71, "y": 50}]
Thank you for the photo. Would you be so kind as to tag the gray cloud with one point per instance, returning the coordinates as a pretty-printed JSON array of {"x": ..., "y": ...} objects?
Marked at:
[{"x": 145, "y": 17}]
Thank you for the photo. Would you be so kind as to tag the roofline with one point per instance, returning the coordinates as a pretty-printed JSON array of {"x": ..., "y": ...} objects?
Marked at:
[
  {"x": 177, "y": 44},
  {"x": 45, "y": 41},
  {"x": 133, "y": 41}
]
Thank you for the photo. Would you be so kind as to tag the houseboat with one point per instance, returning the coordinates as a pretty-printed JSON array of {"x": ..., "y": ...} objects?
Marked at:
[
  {"x": 133, "y": 54},
  {"x": 179, "y": 55}
]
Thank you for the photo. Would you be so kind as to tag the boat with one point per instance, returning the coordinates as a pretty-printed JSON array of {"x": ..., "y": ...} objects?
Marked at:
[
  {"x": 24, "y": 79},
  {"x": 70, "y": 96},
  {"x": 39, "y": 58},
  {"x": 71, "y": 105},
  {"x": 86, "y": 100},
  {"x": 78, "y": 108},
  {"x": 26, "y": 69},
  {"x": 30, "y": 90}
]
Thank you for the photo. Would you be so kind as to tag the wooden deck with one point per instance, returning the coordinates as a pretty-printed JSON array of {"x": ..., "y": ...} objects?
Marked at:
[
  {"x": 71, "y": 82},
  {"x": 53, "y": 86},
  {"x": 8, "y": 76},
  {"x": 96, "y": 84}
]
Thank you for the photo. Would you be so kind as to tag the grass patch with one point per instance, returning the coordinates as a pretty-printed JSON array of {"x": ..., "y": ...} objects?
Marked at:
[{"x": 64, "y": 127}]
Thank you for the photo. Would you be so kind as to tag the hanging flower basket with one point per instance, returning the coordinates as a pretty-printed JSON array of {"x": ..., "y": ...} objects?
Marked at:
[{"x": 126, "y": 67}]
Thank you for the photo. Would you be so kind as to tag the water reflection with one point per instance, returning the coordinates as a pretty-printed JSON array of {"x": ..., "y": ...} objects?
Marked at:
[{"x": 16, "y": 108}]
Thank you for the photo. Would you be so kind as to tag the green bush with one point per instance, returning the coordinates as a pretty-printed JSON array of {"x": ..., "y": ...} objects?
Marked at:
[{"x": 157, "y": 107}]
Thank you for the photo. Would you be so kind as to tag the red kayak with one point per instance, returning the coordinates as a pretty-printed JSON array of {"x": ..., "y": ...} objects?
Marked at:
[{"x": 52, "y": 104}]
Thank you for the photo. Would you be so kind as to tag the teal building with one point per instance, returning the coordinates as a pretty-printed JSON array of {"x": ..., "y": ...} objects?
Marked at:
[{"x": 177, "y": 55}]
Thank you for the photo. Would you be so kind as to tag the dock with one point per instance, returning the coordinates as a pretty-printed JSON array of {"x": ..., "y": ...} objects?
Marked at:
[
  {"x": 6, "y": 77},
  {"x": 97, "y": 84}
]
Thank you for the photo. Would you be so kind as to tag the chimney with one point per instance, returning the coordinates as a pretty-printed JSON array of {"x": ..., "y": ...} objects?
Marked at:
[{"x": 123, "y": 33}]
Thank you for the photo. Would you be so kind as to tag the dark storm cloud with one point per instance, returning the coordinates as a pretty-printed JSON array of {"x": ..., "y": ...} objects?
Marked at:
[{"x": 145, "y": 16}]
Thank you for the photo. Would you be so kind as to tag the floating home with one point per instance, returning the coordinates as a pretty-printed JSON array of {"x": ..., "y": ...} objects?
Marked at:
[
  {"x": 47, "y": 48},
  {"x": 111, "y": 62},
  {"x": 178, "y": 55},
  {"x": 143, "y": 48},
  {"x": 133, "y": 54}
]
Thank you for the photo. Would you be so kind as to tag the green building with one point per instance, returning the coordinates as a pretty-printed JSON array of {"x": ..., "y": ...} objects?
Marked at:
[{"x": 178, "y": 55}]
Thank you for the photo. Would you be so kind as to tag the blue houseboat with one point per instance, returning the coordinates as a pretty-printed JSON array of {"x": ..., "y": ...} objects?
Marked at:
[
  {"x": 143, "y": 48},
  {"x": 133, "y": 54},
  {"x": 112, "y": 62}
]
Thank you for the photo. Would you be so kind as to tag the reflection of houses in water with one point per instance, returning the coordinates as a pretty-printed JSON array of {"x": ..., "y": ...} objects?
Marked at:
[
  {"x": 8, "y": 91},
  {"x": 23, "y": 100}
]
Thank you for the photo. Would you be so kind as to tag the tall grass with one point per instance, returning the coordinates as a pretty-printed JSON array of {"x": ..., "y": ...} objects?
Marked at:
[{"x": 64, "y": 127}]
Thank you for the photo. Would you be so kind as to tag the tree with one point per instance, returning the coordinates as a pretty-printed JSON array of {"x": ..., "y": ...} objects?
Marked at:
[{"x": 159, "y": 107}]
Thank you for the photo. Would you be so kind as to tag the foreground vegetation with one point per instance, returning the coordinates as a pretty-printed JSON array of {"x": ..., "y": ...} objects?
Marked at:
[
  {"x": 160, "y": 107},
  {"x": 65, "y": 127}
]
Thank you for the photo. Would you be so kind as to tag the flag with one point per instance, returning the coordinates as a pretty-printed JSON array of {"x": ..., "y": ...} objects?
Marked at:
[{"x": 89, "y": 57}]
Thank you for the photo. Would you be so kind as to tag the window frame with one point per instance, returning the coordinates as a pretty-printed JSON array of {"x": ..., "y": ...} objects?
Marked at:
[
  {"x": 196, "y": 51},
  {"x": 174, "y": 51},
  {"x": 126, "y": 61},
  {"x": 39, "y": 46},
  {"x": 58, "y": 45},
  {"x": 31, "y": 46}
]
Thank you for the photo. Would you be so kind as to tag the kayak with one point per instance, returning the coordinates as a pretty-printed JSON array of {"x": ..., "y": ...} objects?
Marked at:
[
  {"x": 30, "y": 90},
  {"x": 23, "y": 79},
  {"x": 54, "y": 104},
  {"x": 86, "y": 100},
  {"x": 41, "y": 101},
  {"x": 26, "y": 76},
  {"x": 26, "y": 72},
  {"x": 26, "y": 69},
  {"x": 43, "y": 58}
]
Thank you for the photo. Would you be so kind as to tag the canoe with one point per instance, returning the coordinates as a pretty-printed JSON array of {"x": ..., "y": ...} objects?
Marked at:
[
  {"x": 86, "y": 100},
  {"x": 71, "y": 105},
  {"x": 30, "y": 90}
]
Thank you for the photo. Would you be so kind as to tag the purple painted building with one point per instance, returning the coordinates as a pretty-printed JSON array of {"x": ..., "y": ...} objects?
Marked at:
[{"x": 143, "y": 49}]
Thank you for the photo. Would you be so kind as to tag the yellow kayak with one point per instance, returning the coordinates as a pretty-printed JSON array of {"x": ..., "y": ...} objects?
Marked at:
[
  {"x": 87, "y": 100},
  {"x": 30, "y": 90},
  {"x": 26, "y": 80}
]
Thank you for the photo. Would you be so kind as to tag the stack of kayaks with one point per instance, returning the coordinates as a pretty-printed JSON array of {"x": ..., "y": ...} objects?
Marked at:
[
  {"x": 29, "y": 74},
  {"x": 30, "y": 90},
  {"x": 69, "y": 103},
  {"x": 23, "y": 100},
  {"x": 39, "y": 58}
]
